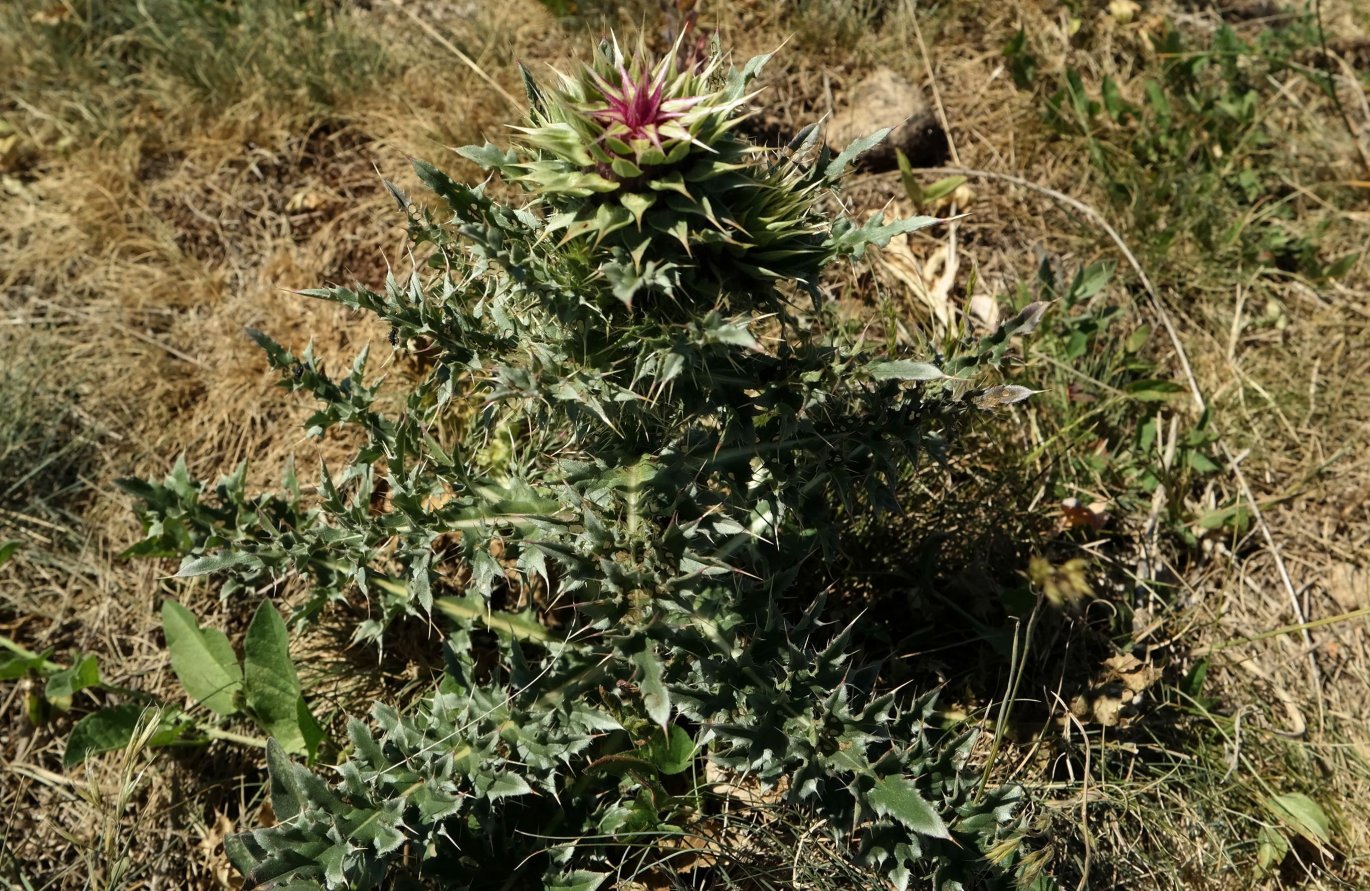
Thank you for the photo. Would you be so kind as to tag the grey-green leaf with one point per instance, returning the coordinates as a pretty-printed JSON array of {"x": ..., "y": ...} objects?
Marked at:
[
  {"x": 732, "y": 334},
  {"x": 1004, "y": 394},
  {"x": 210, "y": 563},
  {"x": 655, "y": 697},
  {"x": 507, "y": 784},
  {"x": 1027, "y": 319},
  {"x": 839, "y": 165},
  {"x": 898, "y": 797},
  {"x": 294, "y": 789},
  {"x": 580, "y": 880},
  {"x": 203, "y": 659},
  {"x": 904, "y": 370}
]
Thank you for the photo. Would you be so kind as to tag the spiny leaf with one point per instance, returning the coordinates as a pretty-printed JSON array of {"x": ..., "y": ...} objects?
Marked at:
[
  {"x": 839, "y": 165},
  {"x": 198, "y": 566},
  {"x": 898, "y": 797},
  {"x": 520, "y": 626},
  {"x": 507, "y": 784},
  {"x": 655, "y": 697},
  {"x": 580, "y": 880}
]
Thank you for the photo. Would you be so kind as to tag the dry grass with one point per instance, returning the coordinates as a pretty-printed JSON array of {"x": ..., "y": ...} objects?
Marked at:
[{"x": 146, "y": 219}]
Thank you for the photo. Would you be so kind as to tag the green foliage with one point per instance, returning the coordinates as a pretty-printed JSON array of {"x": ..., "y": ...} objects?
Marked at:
[
  {"x": 116, "y": 728},
  {"x": 56, "y": 693},
  {"x": 203, "y": 660},
  {"x": 638, "y": 423},
  {"x": 271, "y": 689},
  {"x": 1111, "y": 412},
  {"x": 265, "y": 688},
  {"x": 1189, "y": 148}
]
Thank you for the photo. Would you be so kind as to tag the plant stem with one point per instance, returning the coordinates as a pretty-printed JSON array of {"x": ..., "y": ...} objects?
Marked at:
[{"x": 230, "y": 736}]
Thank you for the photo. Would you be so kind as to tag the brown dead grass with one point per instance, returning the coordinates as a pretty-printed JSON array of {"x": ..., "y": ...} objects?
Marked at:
[{"x": 139, "y": 258}]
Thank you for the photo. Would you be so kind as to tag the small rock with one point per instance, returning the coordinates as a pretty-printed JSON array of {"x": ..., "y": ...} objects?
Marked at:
[{"x": 885, "y": 99}]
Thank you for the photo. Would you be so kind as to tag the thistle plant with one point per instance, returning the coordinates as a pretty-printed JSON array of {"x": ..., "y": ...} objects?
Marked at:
[
  {"x": 640, "y": 424},
  {"x": 641, "y": 171}
]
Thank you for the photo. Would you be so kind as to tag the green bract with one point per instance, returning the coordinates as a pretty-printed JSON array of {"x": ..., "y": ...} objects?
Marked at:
[
  {"x": 610, "y": 511},
  {"x": 643, "y": 165}
]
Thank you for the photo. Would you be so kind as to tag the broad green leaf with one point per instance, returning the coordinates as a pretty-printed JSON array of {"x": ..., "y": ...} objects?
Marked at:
[
  {"x": 670, "y": 753},
  {"x": 64, "y": 684},
  {"x": 1200, "y": 463},
  {"x": 1238, "y": 516},
  {"x": 1089, "y": 281},
  {"x": 1271, "y": 848},
  {"x": 13, "y": 665},
  {"x": 1303, "y": 815},
  {"x": 203, "y": 659},
  {"x": 1193, "y": 683},
  {"x": 7, "y": 550},
  {"x": 115, "y": 728},
  {"x": 271, "y": 688},
  {"x": 904, "y": 370},
  {"x": 912, "y": 187},
  {"x": 898, "y": 797}
]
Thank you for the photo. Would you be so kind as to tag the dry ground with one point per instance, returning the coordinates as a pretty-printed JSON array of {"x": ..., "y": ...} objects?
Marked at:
[{"x": 149, "y": 213}]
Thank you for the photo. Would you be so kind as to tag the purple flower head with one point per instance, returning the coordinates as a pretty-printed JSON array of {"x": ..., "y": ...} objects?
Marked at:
[{"x": 638, "y": 108}]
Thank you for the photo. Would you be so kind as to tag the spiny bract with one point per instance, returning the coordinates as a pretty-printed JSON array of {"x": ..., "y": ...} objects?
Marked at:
[{"x": 644, "y": 164}]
